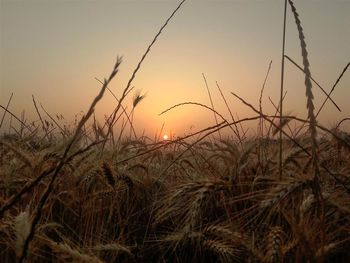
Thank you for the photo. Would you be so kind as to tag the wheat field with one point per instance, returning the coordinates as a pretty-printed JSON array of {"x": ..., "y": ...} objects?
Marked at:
[{"x": 102, "y": 193}]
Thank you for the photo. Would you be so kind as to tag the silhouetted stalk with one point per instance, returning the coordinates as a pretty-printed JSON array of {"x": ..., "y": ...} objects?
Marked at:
[
  {"x": 343, "y": 120},
  {"x": 13, "y": 115},
  {"x": 160, "y": 132},
  {"x": 123, "y": 108},
  {"x": 23, "y": 122},
  {"x": 136, "y": 100},
  {"x": 229, "y": 110},
  {"x": 310, "y": 104},
  {"x": 7, "y": 106},
  {"x": 64, "y": 133},
  {"x": 261, "y": 130},
  {"x": 211, "y": 101},
  {"x": 197, "y": 104},
  {"x": 275, "y": 115},
  {"x": 282, "y": 83},
  {"x": 284, "y": 120},
  {"x": 335, "y": 84},
  {"x": 41, "y": 119}
]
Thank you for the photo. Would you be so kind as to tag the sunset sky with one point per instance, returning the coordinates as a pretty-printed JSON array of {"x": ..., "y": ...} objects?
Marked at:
[{"x": 55, "y": 48}]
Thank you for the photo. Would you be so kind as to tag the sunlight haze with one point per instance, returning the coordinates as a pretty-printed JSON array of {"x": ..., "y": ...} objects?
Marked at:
[{"x": 55, "y": 49}]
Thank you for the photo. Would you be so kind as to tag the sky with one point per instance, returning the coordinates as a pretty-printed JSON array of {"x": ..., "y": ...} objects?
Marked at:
[{"x": 54, "y": 50}]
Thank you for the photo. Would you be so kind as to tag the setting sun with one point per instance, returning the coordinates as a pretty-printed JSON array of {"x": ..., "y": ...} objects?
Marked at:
[{"x": 165, "y": 137}]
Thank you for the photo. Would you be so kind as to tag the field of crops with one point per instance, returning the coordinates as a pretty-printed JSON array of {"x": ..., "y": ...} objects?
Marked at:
[
  {"x": 218, "y": 201},
  {"x": 102, "y": 193}
]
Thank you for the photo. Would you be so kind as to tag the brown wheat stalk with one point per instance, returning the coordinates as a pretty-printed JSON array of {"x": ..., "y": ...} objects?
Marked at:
[
  {"x": 282, "y": 84},
  {"x": 5, "y": 111}
]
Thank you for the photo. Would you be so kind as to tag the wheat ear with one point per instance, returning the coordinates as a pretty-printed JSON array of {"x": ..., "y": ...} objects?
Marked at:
[{"x": 310, "y": 105}]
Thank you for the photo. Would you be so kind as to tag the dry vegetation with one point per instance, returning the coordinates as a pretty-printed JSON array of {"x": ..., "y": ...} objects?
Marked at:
[{"x": 94, "y": 195}]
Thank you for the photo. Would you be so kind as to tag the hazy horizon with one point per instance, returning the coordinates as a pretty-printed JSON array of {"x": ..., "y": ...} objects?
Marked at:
[{"x": 55, "y": 49}]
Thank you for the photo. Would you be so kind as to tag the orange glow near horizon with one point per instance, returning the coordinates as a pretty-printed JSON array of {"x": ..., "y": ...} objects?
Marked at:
[
  {"x": 59, "y": 60},
  {"x": 165, "y": 137}
]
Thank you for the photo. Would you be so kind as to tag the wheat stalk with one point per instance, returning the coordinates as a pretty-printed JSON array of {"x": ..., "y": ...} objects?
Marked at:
[
  {"x": 311, "y": 115},
  {"x": 310, "y": 105},
  {"x": 282, "y": 86}
]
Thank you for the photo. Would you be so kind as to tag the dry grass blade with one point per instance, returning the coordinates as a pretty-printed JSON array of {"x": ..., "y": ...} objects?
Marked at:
[
  {"x": 19, "y": 120},
  {"x": 335, "y": 84},
  {"x": 5, "y": 111},
  {"x": 197, "y": 104},
  {"x": 211, "y": 101},
  {"x": 339, "y": 123},
  {"x": 282, "y": 86},
  {"x": 236, "y": 131},
  {"x": 64, "y": 133},
  {"x": 41, "y": 119},
  {"x": 260, "y": 98}
]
